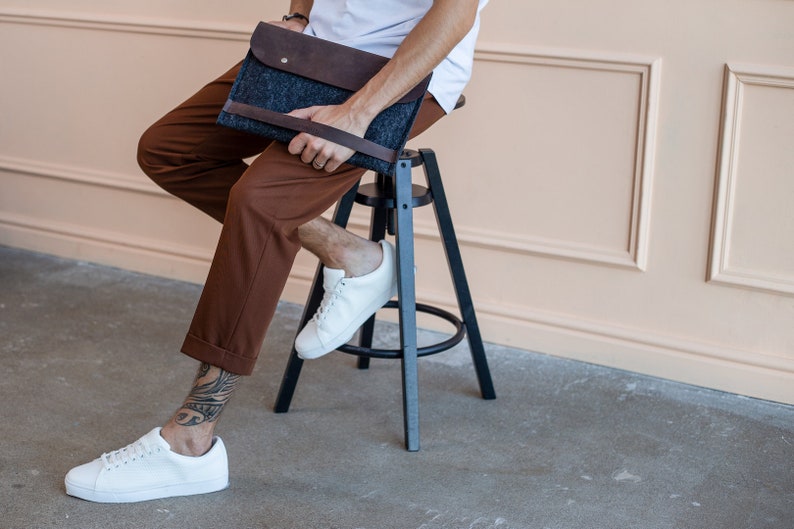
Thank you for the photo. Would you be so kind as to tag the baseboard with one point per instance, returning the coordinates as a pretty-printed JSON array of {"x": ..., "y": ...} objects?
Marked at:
[
  {"x": 744, "y": 372},
  {"x": 104, "y": 247}
]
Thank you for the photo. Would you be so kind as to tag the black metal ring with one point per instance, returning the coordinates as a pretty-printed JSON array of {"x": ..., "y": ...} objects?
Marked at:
[{"x": 455, "y": 339}]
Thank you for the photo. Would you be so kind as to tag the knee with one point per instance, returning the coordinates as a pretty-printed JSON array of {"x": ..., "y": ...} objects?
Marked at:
[
  {"x": 243, "y": 197},
  {"x": 249, "y": 200},
  {"x": 148, "y": 148},
  {"x": 156, "y": 155}
]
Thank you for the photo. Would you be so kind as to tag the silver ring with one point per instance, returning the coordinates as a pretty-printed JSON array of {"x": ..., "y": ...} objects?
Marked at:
[{"x": 317, "y": 165}]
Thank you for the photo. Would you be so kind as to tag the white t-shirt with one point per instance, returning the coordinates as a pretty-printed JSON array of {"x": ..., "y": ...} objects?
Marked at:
[{"x": 380, "y": 26}]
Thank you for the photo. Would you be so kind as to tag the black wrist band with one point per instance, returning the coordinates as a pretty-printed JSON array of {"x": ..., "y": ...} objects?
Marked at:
[{"x": 295, "y": 15}]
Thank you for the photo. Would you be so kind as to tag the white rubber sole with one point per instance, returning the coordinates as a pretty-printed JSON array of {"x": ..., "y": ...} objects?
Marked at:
[{"x": 168, "y": 491}]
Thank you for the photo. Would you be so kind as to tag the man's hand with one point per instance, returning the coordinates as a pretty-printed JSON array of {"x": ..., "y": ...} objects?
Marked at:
[
  {"x": 321, "y": 153},
  {"x": 444, "y": 25}
]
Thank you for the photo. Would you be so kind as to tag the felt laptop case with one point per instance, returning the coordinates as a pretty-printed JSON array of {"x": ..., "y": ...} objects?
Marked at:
[{"x": 285, "y": 70}]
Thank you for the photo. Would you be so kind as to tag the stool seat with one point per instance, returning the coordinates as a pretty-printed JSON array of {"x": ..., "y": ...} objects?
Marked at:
[
  {"x": 375, "y": 196},
  {"x": 392, "y": 199}
]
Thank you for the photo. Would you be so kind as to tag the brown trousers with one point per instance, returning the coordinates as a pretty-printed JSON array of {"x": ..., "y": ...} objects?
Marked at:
[{"x": 261, "y": 207}]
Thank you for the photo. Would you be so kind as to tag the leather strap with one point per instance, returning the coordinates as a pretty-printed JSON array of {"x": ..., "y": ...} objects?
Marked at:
[{"x": 321, "y": 130}]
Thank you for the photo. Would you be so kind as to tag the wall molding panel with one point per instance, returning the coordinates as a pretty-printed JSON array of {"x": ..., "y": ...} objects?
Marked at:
[
  {"x": 127, "y": 24},
  {"x": 648, "y": 73},
  {"x": 118, "y": 249},
  {"x": 501, "y": 241},
  {"x": 467, "y": 235},
  {"x": 626, "y": 346},
  {"x": 80, "y": 175},
  {"x": 640, "y": 350},
  {"x": 648, "y": 70},
  {"x": 738, "y": 78},
  {"x": 569, "y": 151}
]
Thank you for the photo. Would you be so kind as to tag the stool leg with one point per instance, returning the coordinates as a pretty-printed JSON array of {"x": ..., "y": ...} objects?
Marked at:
[
  {"x": 290, "y": 378},
  {"x": 407, "y": 303},
  {"x": 377, "y": 231},
  {"x": 465, "y": 303}
]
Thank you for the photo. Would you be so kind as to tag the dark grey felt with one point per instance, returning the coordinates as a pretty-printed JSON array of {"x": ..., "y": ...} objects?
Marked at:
[{"x": 266, "y": 87}]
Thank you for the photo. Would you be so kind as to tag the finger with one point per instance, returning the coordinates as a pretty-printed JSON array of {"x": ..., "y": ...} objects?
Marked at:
[
  {"x": 303, "y": 113},
  {"x": 297, "y": 144},
  {"x": 324, "y": 158},
  {"x": 314, "y": 147},
  {"x": 338, "y": 156},
  {"x": 332, "y": 164}
]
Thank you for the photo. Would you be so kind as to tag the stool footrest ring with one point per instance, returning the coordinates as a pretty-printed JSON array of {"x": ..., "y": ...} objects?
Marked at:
[{"x": 455, "y": 339}]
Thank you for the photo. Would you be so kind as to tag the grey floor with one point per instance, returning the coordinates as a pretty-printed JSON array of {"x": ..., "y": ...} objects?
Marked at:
[{"x": 90, "y": 363}]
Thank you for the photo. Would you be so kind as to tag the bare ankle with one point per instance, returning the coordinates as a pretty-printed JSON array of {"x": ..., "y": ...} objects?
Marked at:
[
  {"x": 363, "y": 260},
  {"x": 189, "y": 432},
  {"x": 340, "y": 249},
  {"x": 187, "y": 441}
]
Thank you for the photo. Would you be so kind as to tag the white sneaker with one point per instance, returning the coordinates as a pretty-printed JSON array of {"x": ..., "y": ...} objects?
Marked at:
[
  {"x": 347, "y": 303},
  {"x": 148, "y": 469}
]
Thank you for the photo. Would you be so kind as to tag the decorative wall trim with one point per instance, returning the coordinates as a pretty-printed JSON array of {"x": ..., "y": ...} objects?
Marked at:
[
  {"x": 467, "y": 236},
  {"x": 649, "y": 72},
  {"x": 630, "y": 338},
  {"x": 127, "y": 24},
  {"x": 628, "y": 348},
  {"x": 514, "y": 315},
  {"x": 752, "y": 373},
  {"x": 500, "y": 241},
  {"x": 80, "y": 175},
  {"x": 594, "y": 341},
  {"x": 637, "y": 339},
  {"x": 90, "y": 236},
  {"x": 737, "y": 77}
]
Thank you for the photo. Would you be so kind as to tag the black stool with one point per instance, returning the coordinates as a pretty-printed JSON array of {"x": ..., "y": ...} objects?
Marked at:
[{"x": 393, "y": 200}]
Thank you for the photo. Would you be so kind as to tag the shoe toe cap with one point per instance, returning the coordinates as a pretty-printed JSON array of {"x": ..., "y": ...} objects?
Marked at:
[
  {"x": 84, "y": 476},
  {"x": 307, "y": 340}
]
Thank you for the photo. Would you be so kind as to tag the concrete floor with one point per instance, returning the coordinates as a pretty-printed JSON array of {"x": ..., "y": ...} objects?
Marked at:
[{"x": 91, "y": 363}]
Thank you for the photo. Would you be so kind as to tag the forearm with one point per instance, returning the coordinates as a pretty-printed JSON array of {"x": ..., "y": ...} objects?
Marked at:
[
  {"x": 433, "y": 38},
  {"x": 442, "y": 28}
]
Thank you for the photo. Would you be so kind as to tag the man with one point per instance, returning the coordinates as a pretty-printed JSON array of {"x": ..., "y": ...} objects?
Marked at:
[{"x": 269, "y": 210}]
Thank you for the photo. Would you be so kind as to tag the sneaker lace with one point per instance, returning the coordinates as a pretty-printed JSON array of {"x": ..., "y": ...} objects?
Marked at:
[
  {"x": 327, "y": 303},
  {"x": 123, "y": 456}
]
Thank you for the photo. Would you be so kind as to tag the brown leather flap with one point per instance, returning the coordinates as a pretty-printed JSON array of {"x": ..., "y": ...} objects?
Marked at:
[{"x": 321, "y": 60}]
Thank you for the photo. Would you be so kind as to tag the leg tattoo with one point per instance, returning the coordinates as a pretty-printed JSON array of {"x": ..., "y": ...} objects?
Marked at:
[{"x": 212, "y": 389}]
